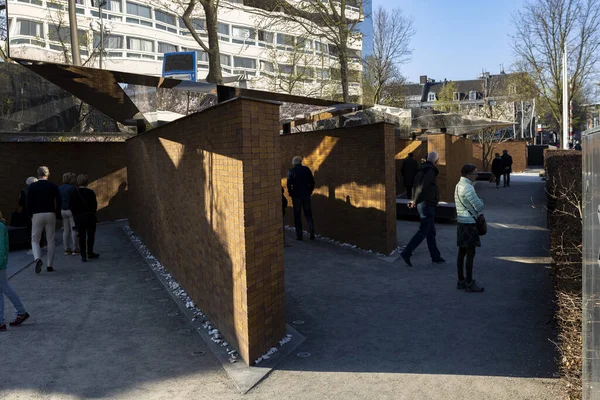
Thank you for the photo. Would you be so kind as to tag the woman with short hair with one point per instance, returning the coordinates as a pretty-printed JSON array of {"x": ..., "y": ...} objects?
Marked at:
[
  {"x": 468, "y": 207},
  {"x": 84, "y": 206},
  {"x": 69, "y": 233}
]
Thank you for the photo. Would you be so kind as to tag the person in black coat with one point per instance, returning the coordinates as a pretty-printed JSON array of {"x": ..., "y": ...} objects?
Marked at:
[
  {"x": 83, "y": 206},
  {"x": 300, "y": 184},
  {"x": 497, "y": 169},
  {"x": 507, "y": 165},
  {"x": 409, "y": 170}
]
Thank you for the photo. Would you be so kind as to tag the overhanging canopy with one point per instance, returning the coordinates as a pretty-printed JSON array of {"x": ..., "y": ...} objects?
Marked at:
[{"x": 457, "y": 124}]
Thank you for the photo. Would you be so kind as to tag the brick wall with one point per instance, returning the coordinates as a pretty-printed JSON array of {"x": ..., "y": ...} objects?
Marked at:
[
  {"x": 403, "y": 147},
  {"x": 205, "y": 198},
  {"x": 454, "y": 152},
  {"x": 103, "y": 162},
  {"x": 516, "y": 148},
  {"x": 354, "y": 199}
]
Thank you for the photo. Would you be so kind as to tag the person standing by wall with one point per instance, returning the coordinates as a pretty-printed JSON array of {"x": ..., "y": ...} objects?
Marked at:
[
  {"x": 468, "y": 207},
  {"x": 507, "y": 162},
  {"x": 5, "y": 288},
  {"x": 70, "y": 239},
  {"x": 43, "y": 205},
  {"x": 300, "y": 184},
  {"x": 409, "y": 170},
  {"x": 497, "y": 169},
  {"x": 83, "y": 207},
  {"x": 426, "y": 197}
]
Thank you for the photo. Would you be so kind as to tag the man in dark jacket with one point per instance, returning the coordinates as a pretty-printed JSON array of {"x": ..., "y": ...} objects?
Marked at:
[
  {"x": 497, "y": 169},
  {"x": 300, "y": 184},
  {"x": 409, "y": 170},
  {"x": 426, "y": 197},
  {"x": 507, "y": 165},
  {"x": 43, "y": 206}
]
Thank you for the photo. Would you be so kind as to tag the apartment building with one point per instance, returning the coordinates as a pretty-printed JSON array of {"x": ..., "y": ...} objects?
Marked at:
[{"x": 254, "y": 52}]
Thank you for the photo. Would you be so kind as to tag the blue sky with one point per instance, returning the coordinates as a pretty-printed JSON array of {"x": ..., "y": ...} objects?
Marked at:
[{"x": 455, "y": 39}]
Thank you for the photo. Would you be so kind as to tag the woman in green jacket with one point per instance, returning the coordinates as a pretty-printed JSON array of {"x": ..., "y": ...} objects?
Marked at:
[{"x": 5, "y": 288}]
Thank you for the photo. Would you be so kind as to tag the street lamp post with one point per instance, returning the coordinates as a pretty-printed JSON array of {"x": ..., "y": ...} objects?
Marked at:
[{"x": 101, "y": 3}]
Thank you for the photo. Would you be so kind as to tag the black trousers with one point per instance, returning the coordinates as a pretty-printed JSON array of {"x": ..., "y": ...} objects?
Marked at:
[
  {"x": 497, "y": 179},
  {"x": 86, "y": 230},
  {"x": 303, "y": 203},
  {"x": 409, "y": 190},
  {"x": 506, "y": 178}
]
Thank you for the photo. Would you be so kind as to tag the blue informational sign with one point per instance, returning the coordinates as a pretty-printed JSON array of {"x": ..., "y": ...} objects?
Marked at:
[{"x": 180, "y": 65}]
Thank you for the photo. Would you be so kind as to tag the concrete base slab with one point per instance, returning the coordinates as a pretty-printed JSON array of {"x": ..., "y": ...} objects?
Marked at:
[{"x": 245, "y": 377}]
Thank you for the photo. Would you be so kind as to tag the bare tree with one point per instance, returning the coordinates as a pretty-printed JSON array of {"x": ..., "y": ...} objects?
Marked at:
[
  {"x": 543, "y": 28},
  {"x": 392, "y": 33},
  {"x": 332, "y": 21},
  {"x": 488, "y": 140}
]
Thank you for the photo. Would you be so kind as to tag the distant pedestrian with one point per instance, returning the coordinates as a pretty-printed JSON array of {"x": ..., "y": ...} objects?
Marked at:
[
  {"x": 70, "y": 239},
  {"x": 284, "y": 204},
  {"x": 83, "y": 207},
  {"x": 507, "y": 162},
  {"x": 43, "y": 205},
  {"x": 409, "y": 170},
  {"x": 426, "y": 196},
  {"x": 5, "y": 288},
  {"x": 497, "y": 169},
  {"x": 300, "y": 184},
  {"x": 468, "y": 207}
]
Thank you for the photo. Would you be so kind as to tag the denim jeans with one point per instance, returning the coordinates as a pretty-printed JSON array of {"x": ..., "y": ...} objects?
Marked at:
[
  {"x": 426, "y": 230},
  {"x": 5, "y": 289}
]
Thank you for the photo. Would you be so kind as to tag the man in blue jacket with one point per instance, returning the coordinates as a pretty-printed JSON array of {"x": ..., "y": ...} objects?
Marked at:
[
  {"x": 300, "y": 184},
  {"x": 426, "y": 196}
]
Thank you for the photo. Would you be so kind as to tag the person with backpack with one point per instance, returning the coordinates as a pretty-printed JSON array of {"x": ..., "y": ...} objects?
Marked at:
[
  {"x": 426, "y": 197},
  {"x": 468, "y": 208},
  {"x": 5, "y": 288}
]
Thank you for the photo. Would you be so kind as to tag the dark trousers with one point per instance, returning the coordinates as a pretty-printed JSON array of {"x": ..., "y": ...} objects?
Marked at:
[
  {"x": 506, "y": 179},
  {"x": 86, "y": 230},
  {"x": 426, "y": 230},
  {"x": 409, "y": 192},
  {"x": 469, "y": 254},
  {"x": 497, "y": 180},
  {"x": 300, "y": 203}
]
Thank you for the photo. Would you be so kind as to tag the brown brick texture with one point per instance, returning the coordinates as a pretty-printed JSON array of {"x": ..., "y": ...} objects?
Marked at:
[
  {"x": 516, "y": 148},
  {"x": 104, "y": 163},
  {"x": 205, "y": 199},
  {"x": 403, "y": 147},
  {"x": 454, "y": 152},
  {"x": 355, "y": 195}
]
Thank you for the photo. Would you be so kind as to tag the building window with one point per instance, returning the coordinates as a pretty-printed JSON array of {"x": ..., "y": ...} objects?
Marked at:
[
  {"x": 139, "y": 10},
  {"x": 242, "y": 32},
  {"x": 321, "y": 47},
  {"x": 30, "y": 28},
  {"x": 432, "y": 97},
  {"x": 110, "y": 41},
  {"x": 164, "y": 17},
  {"x": 242, "y": 62},
  {"x": 305, "y": 72},
  {"x": 63, "y": 35},
  {"x": 283, "y": 39},
  {"x": 265, "y": 36},
  {"x": 166, "y": 48},
  {"x": 140, "y": 44},
  {"x": 36, "y": 2},
  {"x": 223, "y": 29},
  {"x": 472, "y": 95},
  {"x": 457, "y": 96},
  {"x": 323, "y": 74},
  {"x": 199, "y": 25},
  {"x": 286, "y": 69},
  {"x": 266, "y": 66},
  {"x": 305, "y": 44},
  {"x": 114, "y": 6},
  {"x": 226, "y": 60},
  {"x": 201, "y": 56}
]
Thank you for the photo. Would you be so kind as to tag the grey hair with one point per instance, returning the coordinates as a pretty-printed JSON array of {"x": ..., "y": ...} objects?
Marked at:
[
  {"x": 43, "y": 171},
  {"x": 297, "y": 160},
  {"x": 432, "y": 156},
  {"x": 82, "y": 180},
  {"x": 31, "y": 180}
]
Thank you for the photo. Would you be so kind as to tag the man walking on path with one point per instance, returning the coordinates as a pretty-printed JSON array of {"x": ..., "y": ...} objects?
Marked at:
[
  {"x": 5, "y": 288},
  {"x": 497, "y": 169},
  {"x": 409, "y": 170},
  {"x": 507, "y": 165},
  {"x": 43, "y": 205},
  {"x": 300, "y": 184},
  {"x": 426, "y": 197}
]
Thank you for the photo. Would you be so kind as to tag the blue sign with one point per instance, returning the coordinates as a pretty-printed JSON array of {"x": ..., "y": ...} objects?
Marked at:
[{"x": 180, "y": 65}]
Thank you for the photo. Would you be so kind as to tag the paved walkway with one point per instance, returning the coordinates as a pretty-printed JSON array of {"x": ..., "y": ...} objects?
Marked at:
[{"x": 376, "y": 330}]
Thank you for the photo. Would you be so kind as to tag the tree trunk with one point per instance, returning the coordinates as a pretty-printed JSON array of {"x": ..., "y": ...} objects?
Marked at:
[
  {"x": 74, "y": 36},
  {"x": 214, "y": 55}
]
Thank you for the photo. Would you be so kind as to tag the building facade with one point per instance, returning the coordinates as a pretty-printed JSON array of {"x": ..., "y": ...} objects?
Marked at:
[{"x": 254, "y": 51}]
